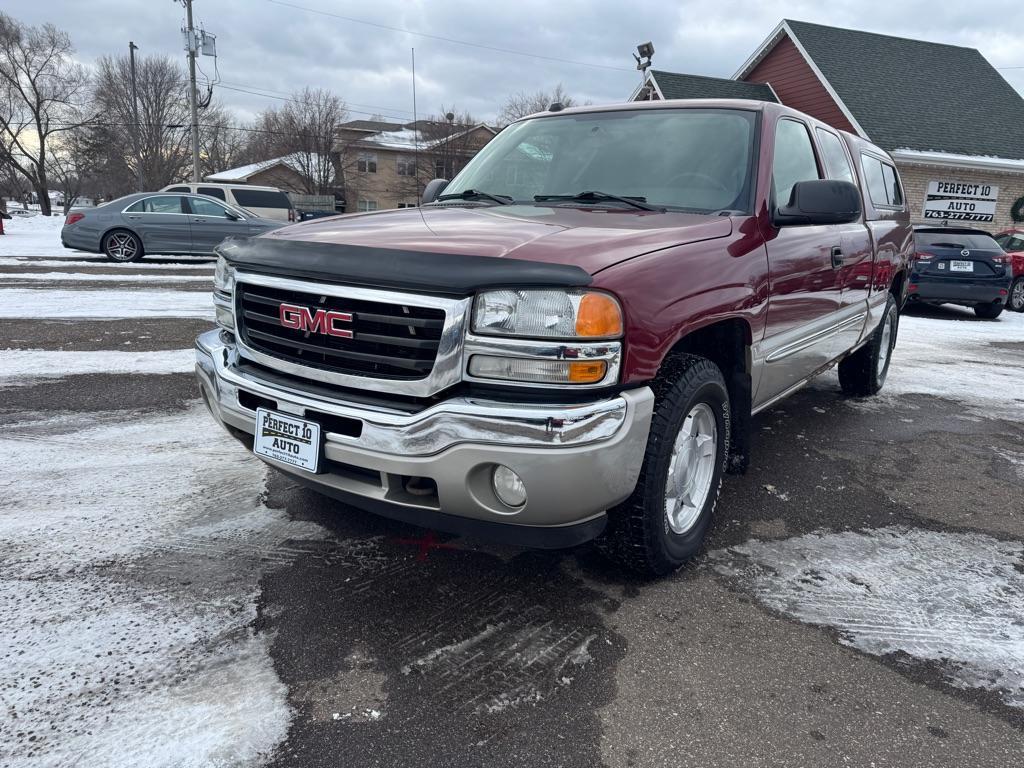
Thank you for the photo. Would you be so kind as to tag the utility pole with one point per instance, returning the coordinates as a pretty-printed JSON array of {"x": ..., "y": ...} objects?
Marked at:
[
  {"x": 132, "y": 47},
  {"x": 190, "y": 36}
]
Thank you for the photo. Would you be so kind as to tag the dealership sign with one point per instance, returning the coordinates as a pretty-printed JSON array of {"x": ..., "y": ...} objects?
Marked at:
[{"x": 960, "y": 201}]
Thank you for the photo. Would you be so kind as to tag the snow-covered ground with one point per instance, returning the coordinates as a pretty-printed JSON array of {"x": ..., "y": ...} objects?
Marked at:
[
  {"x": 59, "y": 303},
  {"x": 954, "y": 599},
  {"x": 24, "y": 366},
  {"x": 132, "y": 551}
]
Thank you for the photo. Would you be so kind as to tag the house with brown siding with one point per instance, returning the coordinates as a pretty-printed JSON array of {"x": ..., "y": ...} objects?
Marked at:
[
  {"x": 947, "y": 117},
  {"x": 386, "y": 165}
]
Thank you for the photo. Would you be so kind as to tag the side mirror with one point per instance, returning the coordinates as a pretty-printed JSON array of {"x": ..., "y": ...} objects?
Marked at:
[
  {"x": 433, "y": 190},
  {"x": 820, "y": 201},
  {"x": 232, "y": 215}
]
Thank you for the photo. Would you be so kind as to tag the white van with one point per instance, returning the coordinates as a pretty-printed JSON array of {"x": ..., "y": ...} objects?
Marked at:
[{"x": 268, "y": 202}]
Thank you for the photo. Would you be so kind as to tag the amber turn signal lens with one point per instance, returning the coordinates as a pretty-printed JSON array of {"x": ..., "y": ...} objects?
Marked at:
[
  {"x": 598, "y": 316},
  {"x": 587, "y": 373}
]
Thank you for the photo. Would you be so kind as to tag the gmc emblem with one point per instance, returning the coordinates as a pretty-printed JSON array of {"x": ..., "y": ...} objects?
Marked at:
[{"x": 314, "y": 321}]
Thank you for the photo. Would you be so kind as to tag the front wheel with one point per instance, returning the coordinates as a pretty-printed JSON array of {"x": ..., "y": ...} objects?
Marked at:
[
  {"x": 988, "y": 311},
  {"x": 863, "y": 373},
  {"x": 122, "y": 246},
  {"x": 1016, "y": 300},
  {"x": 665, "y": 520}
]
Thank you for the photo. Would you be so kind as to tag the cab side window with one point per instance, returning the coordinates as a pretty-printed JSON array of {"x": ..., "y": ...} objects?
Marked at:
[
  {"x": 837, "y": 163},
  {"x": 794, "y": 159},
  {"x": 882, "y": 182}
]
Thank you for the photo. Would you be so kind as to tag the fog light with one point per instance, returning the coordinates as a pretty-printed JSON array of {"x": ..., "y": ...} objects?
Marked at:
[{"x": 508, "y": 486}]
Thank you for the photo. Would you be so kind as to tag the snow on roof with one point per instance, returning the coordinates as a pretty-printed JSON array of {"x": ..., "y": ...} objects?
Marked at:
[
  {"x": 407, "y": 138},
  {"x": 243, "y": 173}
]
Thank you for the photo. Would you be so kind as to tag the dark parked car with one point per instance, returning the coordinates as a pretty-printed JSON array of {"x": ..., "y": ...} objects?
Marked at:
[
  {"x": 1012, "y": 241},
  {"x": 130, "y": 227},
  {"x": 953, "y": 265}
]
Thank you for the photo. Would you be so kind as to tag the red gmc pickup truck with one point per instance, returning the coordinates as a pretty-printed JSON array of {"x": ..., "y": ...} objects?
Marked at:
[{"x": 568, "y": 340}]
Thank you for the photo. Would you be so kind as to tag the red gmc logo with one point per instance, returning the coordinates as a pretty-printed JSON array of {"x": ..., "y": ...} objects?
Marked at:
[{"x": 314, "y": 321}]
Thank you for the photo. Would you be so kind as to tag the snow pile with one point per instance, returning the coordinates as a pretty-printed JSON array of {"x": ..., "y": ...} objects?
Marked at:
[
  {"x": 57, "y": 303},
  {"x": 24, "y": 366},
  {"x": 35, "y": 236},
  {"x": 96, "y": 277},
  {"x": 953, "y": 599},
  {"x": 132, "y": 552}
]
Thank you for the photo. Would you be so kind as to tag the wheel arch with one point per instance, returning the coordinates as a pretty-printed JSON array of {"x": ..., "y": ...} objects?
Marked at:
[{"x": 727, "y": 343}]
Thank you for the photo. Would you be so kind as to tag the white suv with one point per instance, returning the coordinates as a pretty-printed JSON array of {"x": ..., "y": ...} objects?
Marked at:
[{"x": 266, "y": 202}]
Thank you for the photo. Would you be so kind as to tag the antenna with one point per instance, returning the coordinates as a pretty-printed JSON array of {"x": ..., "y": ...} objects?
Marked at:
[{"x": 416, "y": 128}]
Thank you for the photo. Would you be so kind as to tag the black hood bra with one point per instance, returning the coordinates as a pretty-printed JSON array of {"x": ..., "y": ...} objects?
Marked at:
[{"x": 417, "y": 271}]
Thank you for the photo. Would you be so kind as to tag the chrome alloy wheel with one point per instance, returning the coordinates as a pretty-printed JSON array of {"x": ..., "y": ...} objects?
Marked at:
[
  {"x": 1017, "y": 295},
  {"x": 691, "y": 468},
  {"x": 886, "y": 345},
  {"x": 122, "y": 246}
]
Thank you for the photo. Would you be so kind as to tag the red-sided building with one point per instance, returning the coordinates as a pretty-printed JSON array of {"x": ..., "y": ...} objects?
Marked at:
[{"x": 947, "y": 117}]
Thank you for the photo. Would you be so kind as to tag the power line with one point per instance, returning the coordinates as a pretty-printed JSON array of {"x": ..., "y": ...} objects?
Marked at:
[
  {"x": 376, "y": 107},
  {"x": 450, "y": 39},
  {"x": 399, "y": 118}
]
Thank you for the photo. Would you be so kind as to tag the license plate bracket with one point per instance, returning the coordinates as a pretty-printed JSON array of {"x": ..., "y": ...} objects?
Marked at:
[{"x": 288, "y": 439}]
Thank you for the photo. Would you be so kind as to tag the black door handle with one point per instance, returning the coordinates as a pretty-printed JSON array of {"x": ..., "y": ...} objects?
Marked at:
[{"x": 837, "y": 257}]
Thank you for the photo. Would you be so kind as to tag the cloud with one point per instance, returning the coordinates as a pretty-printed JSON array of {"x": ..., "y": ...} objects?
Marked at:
[{"x": 268, "y": 46}]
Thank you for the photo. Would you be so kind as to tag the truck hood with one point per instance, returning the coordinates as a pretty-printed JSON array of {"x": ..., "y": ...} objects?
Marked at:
[{"x": 590, "y": 238}]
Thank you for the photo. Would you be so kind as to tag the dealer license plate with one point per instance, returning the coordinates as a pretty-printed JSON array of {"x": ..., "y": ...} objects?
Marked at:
[
  {"x": 961, "y": 266},
  {"x": 287, "y": 439}
]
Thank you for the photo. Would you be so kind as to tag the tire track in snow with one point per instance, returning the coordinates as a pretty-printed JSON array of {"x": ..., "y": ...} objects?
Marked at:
[{"x": 952, "y": 599}]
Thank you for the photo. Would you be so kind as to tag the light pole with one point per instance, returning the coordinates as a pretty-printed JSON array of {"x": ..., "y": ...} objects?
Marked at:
[
  {"x": 132, "y": 47},
  {"x": 190, "y": 37}
]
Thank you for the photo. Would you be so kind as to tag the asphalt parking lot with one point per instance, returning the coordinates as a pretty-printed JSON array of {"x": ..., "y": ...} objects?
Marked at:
[{"x": 168, "y": 601}]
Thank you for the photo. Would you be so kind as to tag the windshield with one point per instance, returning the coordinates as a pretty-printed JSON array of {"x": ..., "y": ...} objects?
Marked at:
[
  {"x": 689, "y": 159},
  {"x": 970, "y": 240}
]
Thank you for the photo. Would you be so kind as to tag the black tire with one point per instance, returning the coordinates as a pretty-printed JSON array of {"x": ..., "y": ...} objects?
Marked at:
[
  {"x": 1015, "y": 300},
  {"x": 122, "y": 246},
  {"x": 988, "y": 311},
  {"x": 863, "y": 373},
  {"x": 639, "y": 535}
]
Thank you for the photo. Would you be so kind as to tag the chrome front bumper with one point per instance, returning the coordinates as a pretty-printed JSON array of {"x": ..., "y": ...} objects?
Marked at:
[{"x": 575, "y": 460}]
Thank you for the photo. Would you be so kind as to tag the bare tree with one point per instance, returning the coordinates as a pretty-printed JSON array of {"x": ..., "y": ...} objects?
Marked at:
[
  {"x": 42, "y": 94},
  {"x": 304, "y": 131},
  {"x": 74, "y": 157},
  {"x": 223, "y": 143},
  {"x": 523, "y": 103},
  {"x": 162, "y": 133}
]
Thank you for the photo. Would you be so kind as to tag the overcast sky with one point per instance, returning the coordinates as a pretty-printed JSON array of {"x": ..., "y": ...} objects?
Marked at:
[{"x": 276, "y": 47}]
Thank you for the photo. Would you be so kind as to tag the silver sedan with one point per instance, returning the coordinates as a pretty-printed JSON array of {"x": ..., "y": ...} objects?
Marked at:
[{"x": 130, "y": 227}]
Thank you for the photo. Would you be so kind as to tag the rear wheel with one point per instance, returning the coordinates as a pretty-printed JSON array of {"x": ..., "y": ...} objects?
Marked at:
[
  {"x": 122, "y": 246},
  {"x": 664, "y": 522},
  {"x": 863, "y": 373},
  {"x": 1016, "y": 301},
  {"x": 988, "y": 311}
]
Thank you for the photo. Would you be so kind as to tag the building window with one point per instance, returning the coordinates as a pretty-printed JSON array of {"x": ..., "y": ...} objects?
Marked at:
[
  {"x": 406, "y": 165},
  {"x": 366, "y": 205},
  {"x": 366, "y": 162},
  {"x": 407, "y": 205},
  {"x": 443, "y": 168}
]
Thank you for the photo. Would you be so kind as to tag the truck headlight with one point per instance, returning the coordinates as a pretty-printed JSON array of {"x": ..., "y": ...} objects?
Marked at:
[
  {"x": 541, "y": 314},
  {"x": 223, "y": 291},
  {"x": 223, "y": 276}
]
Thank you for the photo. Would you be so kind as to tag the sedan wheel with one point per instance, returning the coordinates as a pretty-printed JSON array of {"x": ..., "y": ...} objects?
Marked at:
[
  {"x": 1016, "y": 302},
  {"x": 122, "y": 246}
]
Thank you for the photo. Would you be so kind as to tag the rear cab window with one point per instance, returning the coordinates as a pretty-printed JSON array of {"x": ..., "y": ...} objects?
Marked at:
[
  {"x": 837, "y": 162},
  {"x": 261, "y": 198},
  {"x": 882, "y": 181},
  {"x": 793, "y": 160}
]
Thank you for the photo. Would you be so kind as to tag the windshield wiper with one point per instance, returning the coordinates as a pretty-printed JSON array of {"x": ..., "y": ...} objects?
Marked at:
[
  {"x": 476, "y": 194},
  {"x": 594, "y": 195}
]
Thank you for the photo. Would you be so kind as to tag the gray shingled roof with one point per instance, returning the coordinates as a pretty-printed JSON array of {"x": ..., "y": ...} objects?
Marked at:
[
  {"x": 678, "y": 86},
  {"x": 371, "y": 125},
  {"x": 911, "y": 94}
]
